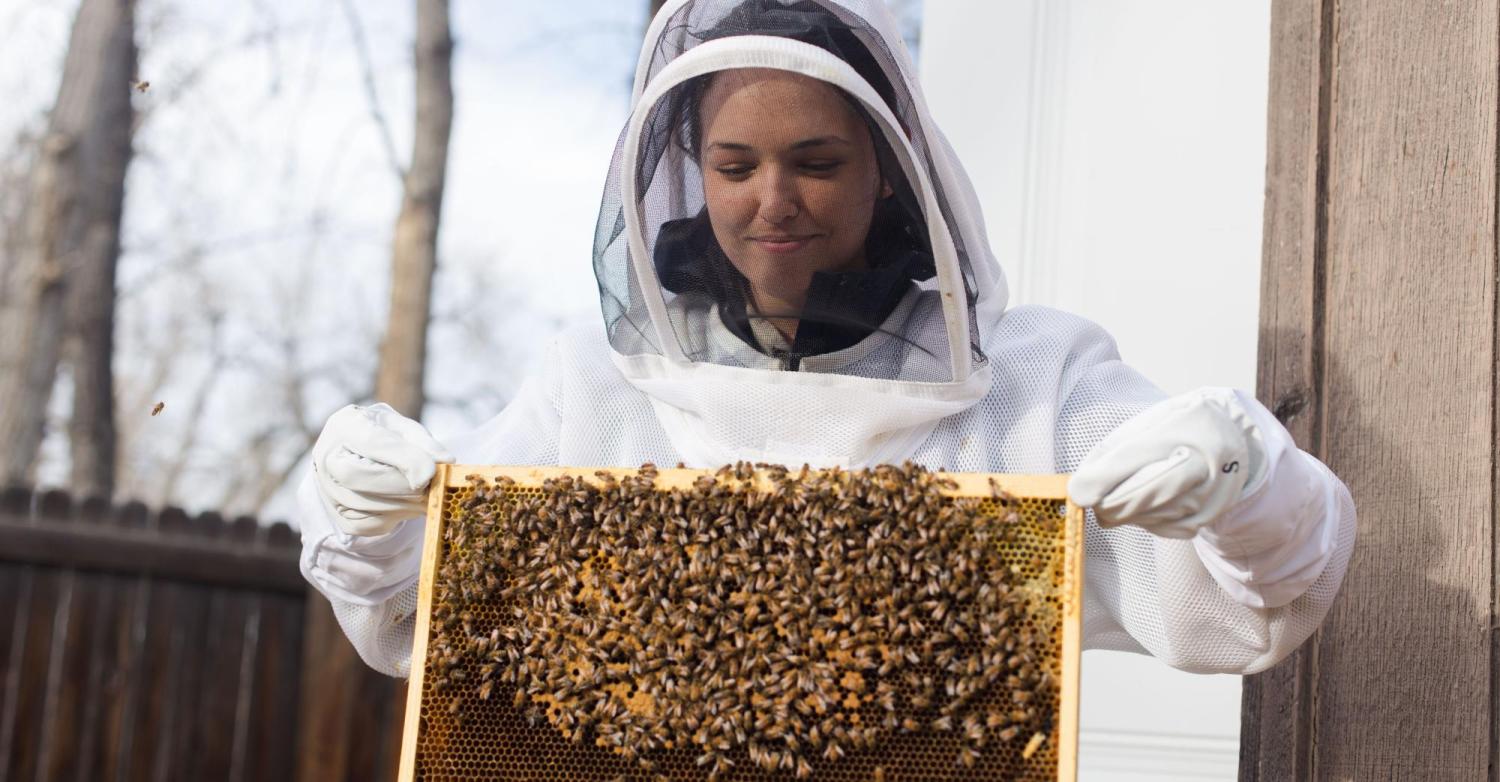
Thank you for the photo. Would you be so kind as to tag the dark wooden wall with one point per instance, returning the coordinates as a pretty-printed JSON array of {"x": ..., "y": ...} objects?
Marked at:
[
  {"x": 1378, "y": 333},
  {"x": 158, "y": 646}
]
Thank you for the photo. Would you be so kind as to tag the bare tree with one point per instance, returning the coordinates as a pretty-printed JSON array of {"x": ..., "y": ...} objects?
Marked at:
[
  {"x": 655, "y": 6},
  {"x": 398, "y": 377},
  {"x": 403, "y": 352},
  {"x": 68, "y": 248}
]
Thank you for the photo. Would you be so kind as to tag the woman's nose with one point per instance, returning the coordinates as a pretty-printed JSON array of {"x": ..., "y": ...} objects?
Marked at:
[{"x": 779, "y": 199}]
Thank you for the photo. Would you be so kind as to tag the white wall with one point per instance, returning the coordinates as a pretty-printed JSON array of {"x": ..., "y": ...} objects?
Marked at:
[{"x": 1118, "y": 147}]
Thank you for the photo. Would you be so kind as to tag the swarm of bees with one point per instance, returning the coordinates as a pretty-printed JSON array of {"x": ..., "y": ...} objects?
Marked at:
[{"x": 761, "y": 617}]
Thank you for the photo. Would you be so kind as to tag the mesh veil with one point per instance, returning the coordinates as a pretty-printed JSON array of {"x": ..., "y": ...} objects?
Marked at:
[{"x": 879, "y": 317}]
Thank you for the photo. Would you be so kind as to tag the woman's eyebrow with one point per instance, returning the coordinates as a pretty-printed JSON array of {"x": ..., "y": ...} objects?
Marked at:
[
  {"x": 819, "y": 141},
  {"x": 735, "y": 146}
]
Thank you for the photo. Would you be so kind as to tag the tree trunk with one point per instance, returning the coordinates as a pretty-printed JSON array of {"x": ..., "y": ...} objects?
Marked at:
[
  {"x": 64, "y": 273},
  {"x": 403, "y": 353},
  {"x": 91, "y": 293},
  {"x": 343, "y": 698}
]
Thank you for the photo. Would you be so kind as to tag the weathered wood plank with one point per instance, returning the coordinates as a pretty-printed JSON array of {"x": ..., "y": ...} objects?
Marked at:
[
  {"x": 245, "y": 530},
  {"x": 1275, "y": 712},
  {"x": 25, "y": 710},
  {"x": 148, "y": 715},
  {"x": 211, "y": 730},
  {"x": 15, "y": 501},
  {"x": 1408, "y": 373},
  {"x": 68, "y": 693},
  {"x": 175, "y": 743},
  {"x": 19, "y": 626},
  {"x": 331, "y": 672},
  {"x": 273, "y": 715},
  {"x": 102, "y": 660},
  {"x": 201, "y": 558},
  {"x": 121, "y": 660},
  {"x": 1378, "y": 352},
  {"x": 15, "y": 585},
  {"x": 125, "y": 679}
]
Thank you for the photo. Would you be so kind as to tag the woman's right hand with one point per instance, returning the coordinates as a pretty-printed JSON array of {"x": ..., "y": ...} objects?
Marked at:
[{"x": 372, "y": 466}]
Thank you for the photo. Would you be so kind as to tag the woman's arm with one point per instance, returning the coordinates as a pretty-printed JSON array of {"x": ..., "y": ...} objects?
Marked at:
[{"x": 1252, "y": 584}]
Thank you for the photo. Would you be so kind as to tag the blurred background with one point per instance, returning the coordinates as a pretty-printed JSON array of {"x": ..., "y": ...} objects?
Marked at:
[{"x": 233, "y": 187}]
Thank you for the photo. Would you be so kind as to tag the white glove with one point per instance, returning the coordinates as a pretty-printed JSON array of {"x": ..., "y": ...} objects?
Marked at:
[
  {"x": 372, "y": 466},
  {"x": 1175, "y": 467}
]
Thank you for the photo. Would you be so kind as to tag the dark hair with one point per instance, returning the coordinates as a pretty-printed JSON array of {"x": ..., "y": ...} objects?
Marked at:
[
  {"x": 897, "y": 227},
  {"x": 804, "y": 21}
]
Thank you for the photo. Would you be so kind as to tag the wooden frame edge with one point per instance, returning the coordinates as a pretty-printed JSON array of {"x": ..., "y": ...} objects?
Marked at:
[
  {"x": 973, "y": 484},
  {"x": 431, "y": 556},
  {"x": 1072, "y": 643}
]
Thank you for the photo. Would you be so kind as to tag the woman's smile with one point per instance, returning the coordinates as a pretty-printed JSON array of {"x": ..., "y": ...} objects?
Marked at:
[{"x": 783, "y": 245}]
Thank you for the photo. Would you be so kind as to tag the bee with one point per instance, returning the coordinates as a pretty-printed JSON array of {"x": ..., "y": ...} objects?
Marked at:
[{"x": 160, "y": 406}]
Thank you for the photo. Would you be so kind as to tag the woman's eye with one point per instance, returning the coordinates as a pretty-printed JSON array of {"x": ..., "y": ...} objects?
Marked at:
[
  {"x": 735, "y": 170},
  {"x": 821, "y": 166}
]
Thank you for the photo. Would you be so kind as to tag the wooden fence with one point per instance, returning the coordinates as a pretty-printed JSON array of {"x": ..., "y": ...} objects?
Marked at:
[{"x": 158, "y": 646}]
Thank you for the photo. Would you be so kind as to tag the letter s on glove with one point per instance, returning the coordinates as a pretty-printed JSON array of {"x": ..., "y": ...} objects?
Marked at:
[
  {"x": 1174, "y": 467},
  {"x": 372, "y": 466}
]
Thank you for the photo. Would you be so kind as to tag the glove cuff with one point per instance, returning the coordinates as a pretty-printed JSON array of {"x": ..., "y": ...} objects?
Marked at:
[
  {"x": 1272, "y": 544},
  {"x": 361, "y": 570}
]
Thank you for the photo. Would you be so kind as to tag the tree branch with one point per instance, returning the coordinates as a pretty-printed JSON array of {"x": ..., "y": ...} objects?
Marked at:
[{"x": 368, "y": 70}]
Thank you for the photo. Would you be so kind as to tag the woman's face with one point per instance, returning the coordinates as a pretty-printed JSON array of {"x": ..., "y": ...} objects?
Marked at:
[{"x": 790, "y": 178}]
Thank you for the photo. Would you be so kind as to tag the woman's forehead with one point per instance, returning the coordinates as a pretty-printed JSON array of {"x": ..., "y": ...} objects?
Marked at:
[{"x": 769, "y": 103}]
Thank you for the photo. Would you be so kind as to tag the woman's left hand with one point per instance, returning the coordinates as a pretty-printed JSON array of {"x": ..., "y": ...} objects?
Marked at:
[{"x": 1172, "y": 469}]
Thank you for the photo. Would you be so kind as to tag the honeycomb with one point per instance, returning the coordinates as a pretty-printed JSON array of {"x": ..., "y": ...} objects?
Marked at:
[{"x": 466, "y": 723}]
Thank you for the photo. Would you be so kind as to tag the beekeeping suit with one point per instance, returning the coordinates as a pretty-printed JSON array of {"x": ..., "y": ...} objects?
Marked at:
[{"x": 1213, "y": 542}]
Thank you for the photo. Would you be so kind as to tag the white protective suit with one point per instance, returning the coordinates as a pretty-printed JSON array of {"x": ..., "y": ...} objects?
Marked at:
[{"x": 950, "y": 379}]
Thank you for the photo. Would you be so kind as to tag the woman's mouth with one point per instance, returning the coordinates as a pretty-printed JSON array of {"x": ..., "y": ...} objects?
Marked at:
[{"x": 781, "y": 245}]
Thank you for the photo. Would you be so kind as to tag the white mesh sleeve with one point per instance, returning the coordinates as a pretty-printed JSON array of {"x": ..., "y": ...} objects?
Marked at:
[
  {"x": 371, "y": 582},
  {"x": 1153, "y": 595},
  {"x": 382, "y": 634}
]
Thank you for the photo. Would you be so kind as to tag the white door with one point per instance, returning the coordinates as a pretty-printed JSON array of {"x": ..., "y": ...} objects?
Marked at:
[{"x": 1118, "y": 147}]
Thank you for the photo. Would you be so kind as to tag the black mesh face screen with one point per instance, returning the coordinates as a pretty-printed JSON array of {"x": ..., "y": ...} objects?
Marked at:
[{"x": 779, "y": 220}]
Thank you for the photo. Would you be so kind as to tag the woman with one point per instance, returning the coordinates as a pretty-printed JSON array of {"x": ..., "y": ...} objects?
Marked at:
[{"x": 793, "y": 269}]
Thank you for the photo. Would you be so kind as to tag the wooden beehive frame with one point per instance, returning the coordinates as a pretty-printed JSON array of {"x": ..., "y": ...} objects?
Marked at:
[{"x": 969, "y": 484}]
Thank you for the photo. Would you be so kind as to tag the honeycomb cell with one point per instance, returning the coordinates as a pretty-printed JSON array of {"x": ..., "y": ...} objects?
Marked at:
[{"x": 746, "y": 624}]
